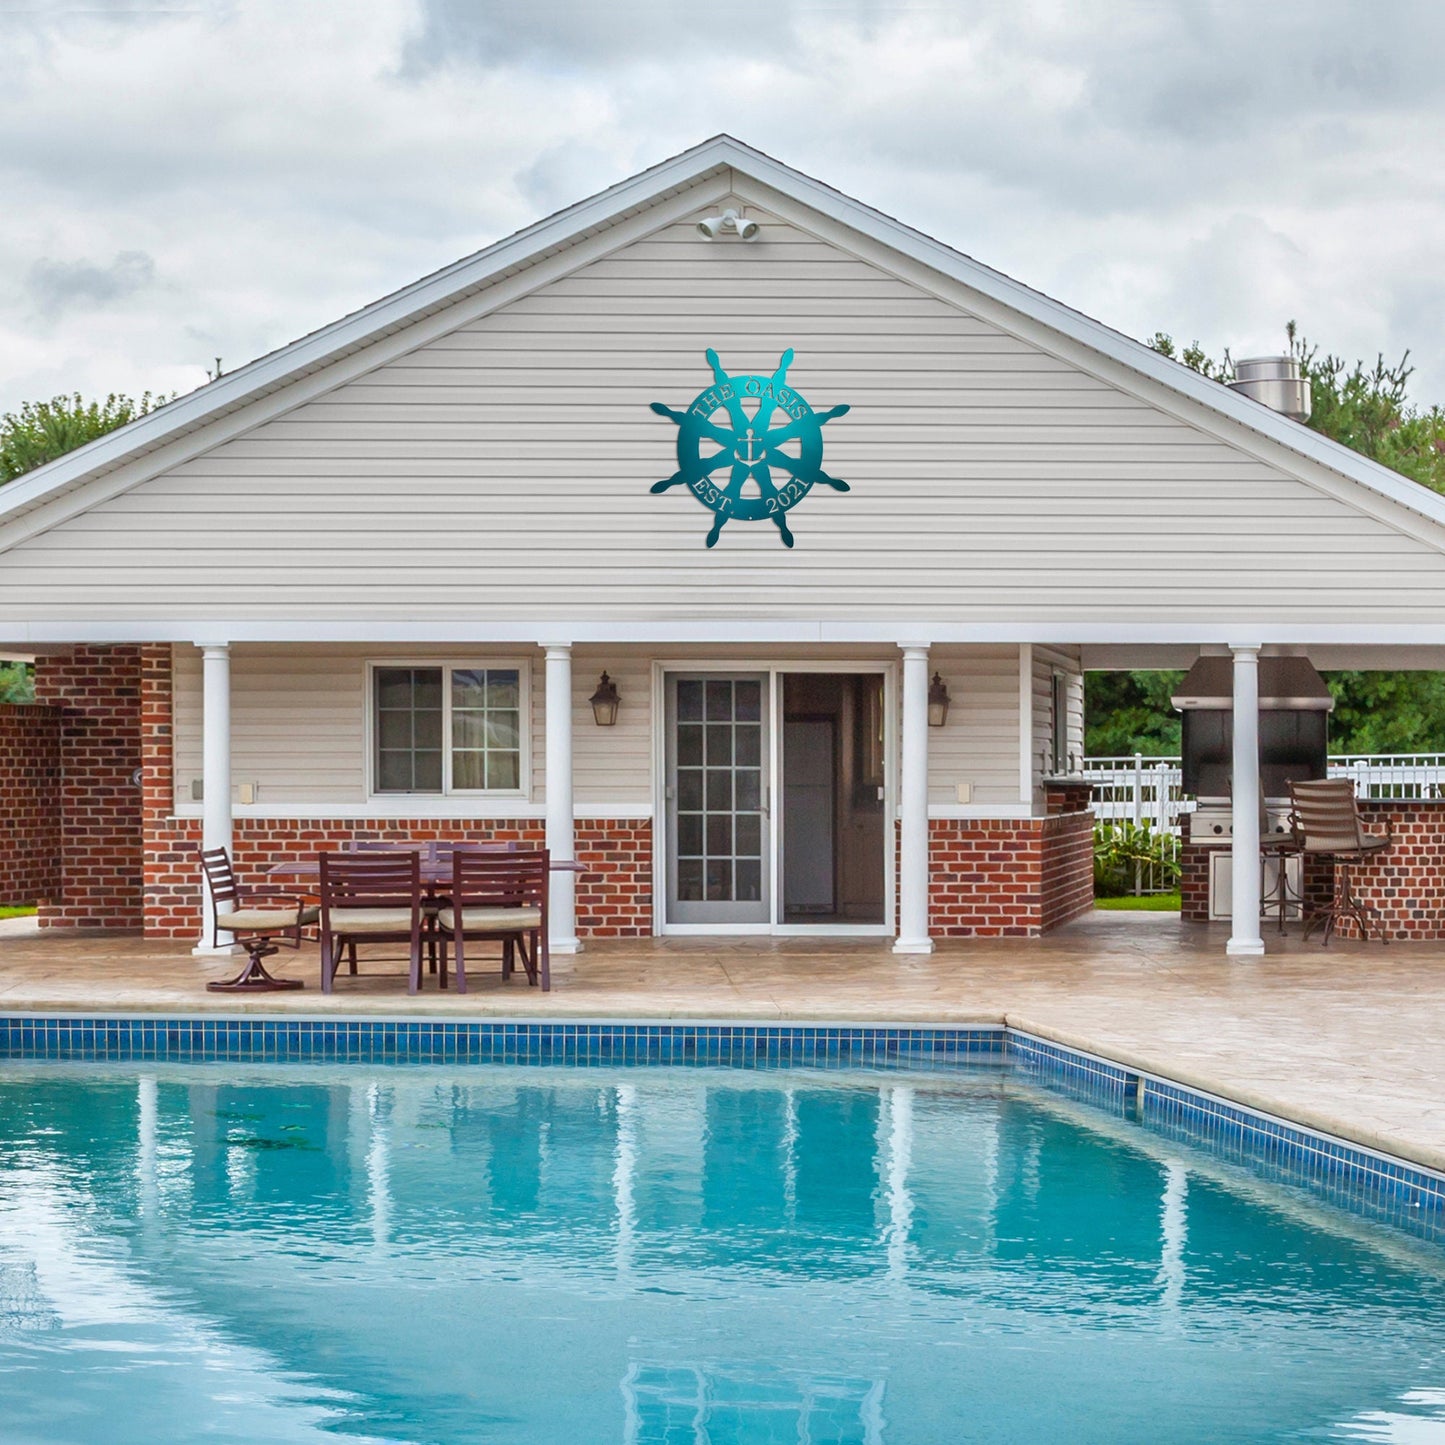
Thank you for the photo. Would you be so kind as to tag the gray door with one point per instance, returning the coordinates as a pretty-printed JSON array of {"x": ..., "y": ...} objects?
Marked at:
[{"x": 717, "y": 823}]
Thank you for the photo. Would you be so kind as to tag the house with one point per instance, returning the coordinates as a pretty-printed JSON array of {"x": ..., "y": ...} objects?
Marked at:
[{"x": 778, "y": 470}]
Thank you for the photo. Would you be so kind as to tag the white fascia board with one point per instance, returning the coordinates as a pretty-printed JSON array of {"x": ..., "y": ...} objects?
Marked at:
[{"x": 906, "y": 632}]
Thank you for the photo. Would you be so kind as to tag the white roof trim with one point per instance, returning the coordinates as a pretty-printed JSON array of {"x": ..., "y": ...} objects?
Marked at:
[{"x": 272, "y": 372}]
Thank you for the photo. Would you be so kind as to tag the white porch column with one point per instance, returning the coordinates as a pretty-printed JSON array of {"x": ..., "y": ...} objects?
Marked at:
[
  {"x": 913, "y": 808},
  {"x": 562, "y": 932},
  {"x": 1244, "y": 935},
  {"x": 215, "y": 769}
]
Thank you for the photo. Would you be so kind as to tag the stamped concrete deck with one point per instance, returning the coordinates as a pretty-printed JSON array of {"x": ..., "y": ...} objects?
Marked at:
[{"x": 1346, "y": 1038}]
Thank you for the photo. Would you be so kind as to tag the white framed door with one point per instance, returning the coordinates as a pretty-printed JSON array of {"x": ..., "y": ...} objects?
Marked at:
[{"x": 737, "y": 769}]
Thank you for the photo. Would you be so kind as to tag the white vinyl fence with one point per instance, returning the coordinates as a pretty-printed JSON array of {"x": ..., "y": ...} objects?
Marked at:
[{"x": 1142, "y": 792}]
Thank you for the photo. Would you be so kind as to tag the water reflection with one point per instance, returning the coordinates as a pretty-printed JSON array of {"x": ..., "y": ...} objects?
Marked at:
[
  {"x": 691, "y": 1407},
  {"x": 485, "y": 1255}
]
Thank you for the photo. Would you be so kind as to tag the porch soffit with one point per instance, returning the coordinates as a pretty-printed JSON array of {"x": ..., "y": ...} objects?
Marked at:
[{"x": 513, "y": 267}]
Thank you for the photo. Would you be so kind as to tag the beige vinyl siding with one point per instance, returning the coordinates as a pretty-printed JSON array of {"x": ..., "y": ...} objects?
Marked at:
[
  {"x": 503, "y": 471},
  {"x": 979, "y": 744},
  {"x": 611, "y": 766},
  {"x": 299, "y": 726}
]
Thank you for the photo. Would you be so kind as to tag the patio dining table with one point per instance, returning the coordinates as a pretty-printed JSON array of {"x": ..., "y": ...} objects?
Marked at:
[{"x": 436, "y": 872}]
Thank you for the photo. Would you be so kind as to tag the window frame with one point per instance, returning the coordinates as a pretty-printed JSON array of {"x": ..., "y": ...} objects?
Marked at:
[
  {"x": 1059, "y": 721},
  {"x": 448, "y": 665}
]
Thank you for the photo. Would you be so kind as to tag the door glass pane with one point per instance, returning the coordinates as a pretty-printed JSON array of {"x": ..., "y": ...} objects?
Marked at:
[
  {"x": 719, "y": 834},
  {"x": 719, "y": 701},
  {"x": 689, "y": 789},
  {"x": 750, "y": 789},
  {"x": 689, "y": 880},
  {"x": 749, "y": 701},
  {"x": 748, "y": 743},
  {"x": 689, "y": 701},
  {"x": 748, "y": 880},
  {"x": 719, "y": 790},
  {"x": 689, "y": 746},
  {"x": 748, "y": 829},
  {"x": 719, "y": 880},
  {"x": 689, "y": 835},
  {"x": 719, "y": 745}
]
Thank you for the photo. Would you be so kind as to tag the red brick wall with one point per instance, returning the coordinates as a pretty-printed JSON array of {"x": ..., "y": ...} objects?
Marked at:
[
  {"x": 1008, "y": 878},
  {"x": 1406, "y": 882},
  {"x": 29, "y": 803},
  {"x": 1068, "y": 878},
  {"x": 614, "y": 896},
  {"x": 97, "y": 693},
  {"x": 1194, "y": 882}
]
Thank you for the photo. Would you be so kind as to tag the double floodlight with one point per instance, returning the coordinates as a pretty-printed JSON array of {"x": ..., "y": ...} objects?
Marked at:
[{"x": 711, "y": 227}]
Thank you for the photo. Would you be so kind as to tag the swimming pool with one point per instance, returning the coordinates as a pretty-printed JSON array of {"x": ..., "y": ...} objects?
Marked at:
[{"x": 419, "y": 1253}]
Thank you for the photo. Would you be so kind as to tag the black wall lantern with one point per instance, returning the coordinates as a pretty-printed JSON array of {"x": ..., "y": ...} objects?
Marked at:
[
  {"x": 605, "y": 702},
  {"x": 937, "y": 702}
]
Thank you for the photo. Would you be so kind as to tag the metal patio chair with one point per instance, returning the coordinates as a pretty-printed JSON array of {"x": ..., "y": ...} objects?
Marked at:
[
  {"x": 499, "y": 895},
  {"x": 1327, "y": 824},
  {"x": 257, "y": 916},
  {"x": 371, "y": 897}
]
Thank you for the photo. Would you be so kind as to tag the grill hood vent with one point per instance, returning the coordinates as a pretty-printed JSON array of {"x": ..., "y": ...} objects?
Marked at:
[{"x": 1286, "y": 684}]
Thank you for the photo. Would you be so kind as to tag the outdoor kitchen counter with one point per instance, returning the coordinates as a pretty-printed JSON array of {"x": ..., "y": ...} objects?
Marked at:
[{"x": 1406, "y": 882}]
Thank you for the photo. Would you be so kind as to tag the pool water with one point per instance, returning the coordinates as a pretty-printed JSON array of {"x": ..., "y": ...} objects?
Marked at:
[{"x": 662, "y": 1257}]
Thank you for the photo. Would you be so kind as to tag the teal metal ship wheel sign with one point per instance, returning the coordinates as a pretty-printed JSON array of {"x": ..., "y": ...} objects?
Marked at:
[{"x": 763, "y": 434}]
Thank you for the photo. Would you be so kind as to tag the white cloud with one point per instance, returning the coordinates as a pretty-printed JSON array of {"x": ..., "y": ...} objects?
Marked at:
[{"x": 1212, "y": 170}]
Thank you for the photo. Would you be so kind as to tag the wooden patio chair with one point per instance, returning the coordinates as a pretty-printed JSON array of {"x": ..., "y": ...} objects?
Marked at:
[
  {"x": 429, "y": 904},
  {"x": 370, "y": 897},
  {"x": 499, "y": 895},
  {"x": 1327, "y": 823},
  {"x": 263, "y": 918}
]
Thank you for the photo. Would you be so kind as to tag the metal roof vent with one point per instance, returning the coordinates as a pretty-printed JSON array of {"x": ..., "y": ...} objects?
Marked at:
[{"x": 1275, "y": 381}]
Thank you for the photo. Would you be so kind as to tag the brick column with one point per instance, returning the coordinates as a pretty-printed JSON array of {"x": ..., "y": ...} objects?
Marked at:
[{"x": 97, "y": 690}]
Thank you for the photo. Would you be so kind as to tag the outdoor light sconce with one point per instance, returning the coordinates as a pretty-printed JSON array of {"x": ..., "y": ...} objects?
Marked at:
[
  {"x": 605, "y": 702},
  {"x": 937, "y": 702},
  {"x": 711, "y": 227}
]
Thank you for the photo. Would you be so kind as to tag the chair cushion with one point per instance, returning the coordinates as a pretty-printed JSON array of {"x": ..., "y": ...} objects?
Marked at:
[
  {"x": 371, "y": 920},
  {"x": 487, "y": 920},
  {"x": 265, "y": 920}
]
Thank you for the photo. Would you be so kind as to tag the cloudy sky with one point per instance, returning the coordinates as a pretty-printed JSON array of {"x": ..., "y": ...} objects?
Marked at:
[{"x": 200, "y": 178}]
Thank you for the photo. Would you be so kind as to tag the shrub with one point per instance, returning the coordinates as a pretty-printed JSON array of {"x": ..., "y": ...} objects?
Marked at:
[{"x": 1124, "y": 851}]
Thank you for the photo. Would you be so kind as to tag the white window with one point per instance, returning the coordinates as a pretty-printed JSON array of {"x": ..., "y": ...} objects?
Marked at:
[
  {"x": 1059, "y": 724},
  {"x": 444, "y": 729}
]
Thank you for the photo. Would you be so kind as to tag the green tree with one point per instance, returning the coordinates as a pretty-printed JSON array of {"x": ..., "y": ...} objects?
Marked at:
[
  {"x": 1129, "y": 712},
  {"x": 17, "y": 682},
  {"x": 43, "y": 430},
  {"x": 1366, "y": 407}
]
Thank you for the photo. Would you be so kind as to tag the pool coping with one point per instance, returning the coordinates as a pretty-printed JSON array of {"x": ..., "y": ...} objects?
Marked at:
[{"x": 1356, "y": 1169}]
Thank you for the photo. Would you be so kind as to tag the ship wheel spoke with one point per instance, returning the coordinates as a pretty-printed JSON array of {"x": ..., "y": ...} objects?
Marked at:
[
  {"x": 794, "y": 468},
  {"x": 769, "y": 404},
  {"x": 732, "y": 404}
]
